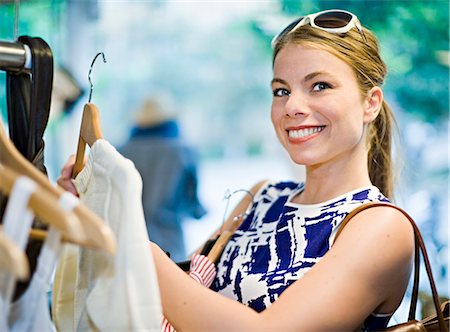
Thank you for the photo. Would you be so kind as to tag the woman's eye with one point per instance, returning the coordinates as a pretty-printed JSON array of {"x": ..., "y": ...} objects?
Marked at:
[
  {"x": 280, "y": 92},
  {"x": 320, "y": 86}
]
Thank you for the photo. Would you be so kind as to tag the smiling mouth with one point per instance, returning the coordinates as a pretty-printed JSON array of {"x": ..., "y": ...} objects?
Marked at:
[{"x": 301, "y": 133}]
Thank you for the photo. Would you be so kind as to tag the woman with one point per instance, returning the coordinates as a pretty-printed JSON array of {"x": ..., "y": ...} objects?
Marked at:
[{"x": 282, "y": 270}]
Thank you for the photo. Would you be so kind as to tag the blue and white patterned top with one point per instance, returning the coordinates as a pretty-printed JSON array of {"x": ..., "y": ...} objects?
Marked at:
[{"x": 280, "y": 241}]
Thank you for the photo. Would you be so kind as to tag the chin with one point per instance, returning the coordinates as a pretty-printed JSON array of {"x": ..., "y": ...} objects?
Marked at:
[
  {"x": 304, "y": 156},
  {"x": 303, "y": 160}
]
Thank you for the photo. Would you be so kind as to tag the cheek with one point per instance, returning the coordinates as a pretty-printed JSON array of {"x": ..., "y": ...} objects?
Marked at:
[
  {"x": 273, "y": 115},
  {"x": 276, "y": 113},
  {"x": 277, "y": 116},
  {"x": 350, "y": 129}
]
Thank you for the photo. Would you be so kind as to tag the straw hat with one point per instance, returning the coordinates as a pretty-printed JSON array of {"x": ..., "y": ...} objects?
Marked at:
[{"x": 154, "y": 111}]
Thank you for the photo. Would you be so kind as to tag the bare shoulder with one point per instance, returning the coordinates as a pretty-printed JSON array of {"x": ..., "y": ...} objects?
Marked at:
[
  {"x": 385, "y": 220},
  {"x": 381, "y": 227},
  {"x": 385, "y": 238}
]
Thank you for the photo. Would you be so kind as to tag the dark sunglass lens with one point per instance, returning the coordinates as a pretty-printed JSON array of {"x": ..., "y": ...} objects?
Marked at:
[
  {"x": 333, "y": 20},
  {"x": 290, "y": 27}
]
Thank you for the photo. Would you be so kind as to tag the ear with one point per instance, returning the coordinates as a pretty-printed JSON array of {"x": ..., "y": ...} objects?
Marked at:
[{"x": 372, "y": 104}]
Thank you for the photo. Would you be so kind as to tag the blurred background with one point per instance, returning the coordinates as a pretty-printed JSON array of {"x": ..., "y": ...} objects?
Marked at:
[{"x": 214, "y": 60}]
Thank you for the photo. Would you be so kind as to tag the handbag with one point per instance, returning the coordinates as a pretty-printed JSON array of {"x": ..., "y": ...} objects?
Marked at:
[{"x": 436, "y": 322}]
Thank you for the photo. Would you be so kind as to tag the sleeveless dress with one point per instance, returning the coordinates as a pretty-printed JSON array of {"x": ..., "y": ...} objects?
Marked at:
[{"x": 280, "y": 241}]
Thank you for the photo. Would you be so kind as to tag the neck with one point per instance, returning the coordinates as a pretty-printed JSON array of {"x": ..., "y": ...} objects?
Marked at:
[{"x": 332, "y": 179}]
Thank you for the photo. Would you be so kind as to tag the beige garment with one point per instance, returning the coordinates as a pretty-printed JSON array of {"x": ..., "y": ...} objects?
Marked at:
[
  {"x": 64, "y": 281},
  {"x": 64, "y": 288}
]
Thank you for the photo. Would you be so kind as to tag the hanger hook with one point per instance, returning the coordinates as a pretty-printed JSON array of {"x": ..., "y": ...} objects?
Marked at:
[
  {"x": 244, "y": 215},
  {"x": 90, "y": 70}
]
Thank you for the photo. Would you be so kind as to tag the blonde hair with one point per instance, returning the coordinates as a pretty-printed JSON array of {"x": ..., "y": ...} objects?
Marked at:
[{"x": 363, "y": 56}]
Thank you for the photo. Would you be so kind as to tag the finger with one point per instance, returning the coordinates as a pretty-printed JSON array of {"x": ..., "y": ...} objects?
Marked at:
[
  {"x": 71, "y": 187},
  {"x": 67, "y": 184}
]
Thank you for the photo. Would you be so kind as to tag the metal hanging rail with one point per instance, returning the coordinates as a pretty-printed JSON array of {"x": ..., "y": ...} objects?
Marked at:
[{"x": 14, "y": 56}]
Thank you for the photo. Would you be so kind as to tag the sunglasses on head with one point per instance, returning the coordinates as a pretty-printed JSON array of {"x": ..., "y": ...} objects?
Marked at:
[{"x": 334, "y": 21}]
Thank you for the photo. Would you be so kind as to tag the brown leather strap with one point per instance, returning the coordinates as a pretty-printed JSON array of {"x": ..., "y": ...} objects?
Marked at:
[{"x": 419, "y": 245}]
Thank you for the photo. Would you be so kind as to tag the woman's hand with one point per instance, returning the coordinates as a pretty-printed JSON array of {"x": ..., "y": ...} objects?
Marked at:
[{"x": 65, "y": 179}]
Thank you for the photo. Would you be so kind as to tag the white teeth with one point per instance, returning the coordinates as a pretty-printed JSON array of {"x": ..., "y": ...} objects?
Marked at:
[{"x": 304, "y": 132}]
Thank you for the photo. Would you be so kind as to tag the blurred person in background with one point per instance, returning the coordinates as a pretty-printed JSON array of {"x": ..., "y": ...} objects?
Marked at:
[{"x": 168, "y": 167}]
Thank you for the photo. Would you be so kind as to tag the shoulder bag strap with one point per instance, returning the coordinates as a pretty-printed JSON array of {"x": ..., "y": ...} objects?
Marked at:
[{"x": 419, "y": 245}]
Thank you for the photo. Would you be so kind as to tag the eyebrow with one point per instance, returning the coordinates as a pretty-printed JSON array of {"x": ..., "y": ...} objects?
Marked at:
[
  {"x": 306, "y": 79},
  {"x": 313, "y": 75},
  {"x": 278, "y": 80}
]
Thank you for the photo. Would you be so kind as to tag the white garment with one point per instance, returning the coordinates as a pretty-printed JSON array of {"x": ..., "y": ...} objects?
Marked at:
[
  {"x": 17, "y": 221},
  {"x": 118, "y": 293},
  {"x": 31, "y": 312}
]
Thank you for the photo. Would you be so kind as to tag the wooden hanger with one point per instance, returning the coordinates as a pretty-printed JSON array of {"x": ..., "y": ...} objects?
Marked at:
[
  {"x": 219, "y": 245},
  {"x": 217, "y": 249},
  {"x": 12, "y": 259},
  {"x": 231, "y": 226},
  {"x": 90, "y": 132},
  {"x": 44, "y": 206},
  {"x": 97, "y": 234}
]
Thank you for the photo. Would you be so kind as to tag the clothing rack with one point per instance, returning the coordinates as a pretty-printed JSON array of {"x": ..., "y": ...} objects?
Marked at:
[{"x": 14, "y": 56}]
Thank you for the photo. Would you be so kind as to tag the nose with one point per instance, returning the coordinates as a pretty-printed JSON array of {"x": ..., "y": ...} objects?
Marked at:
[{"x": 296, "y": 105}]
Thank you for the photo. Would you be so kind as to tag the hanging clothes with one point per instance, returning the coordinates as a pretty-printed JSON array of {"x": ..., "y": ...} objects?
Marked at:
[
  {"x": 31, "y": 312},
  {"x": 117, "y": 293},
  {"x": 28, "y": 102},
  {"x": 17, "y": 222},
  {"x": 64, "y": 285}
]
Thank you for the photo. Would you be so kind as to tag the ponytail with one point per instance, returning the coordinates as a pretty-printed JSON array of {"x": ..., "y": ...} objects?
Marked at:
[{"x": 379, "y": 154}]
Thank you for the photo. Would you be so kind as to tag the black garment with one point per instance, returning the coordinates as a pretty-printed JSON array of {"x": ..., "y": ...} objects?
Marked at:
[{"x": 28, "y": 99}]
